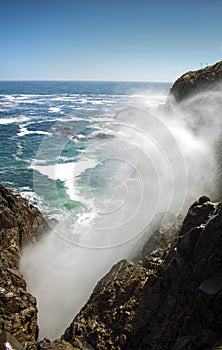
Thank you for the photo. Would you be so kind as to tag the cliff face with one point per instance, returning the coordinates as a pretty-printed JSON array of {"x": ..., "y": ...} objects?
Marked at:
[
  {"x": 201, "y": 80},
  {"x": 173, "y": 302},
  {"x": 20, "y": 224},
  {"x": 171, "y": 299}
]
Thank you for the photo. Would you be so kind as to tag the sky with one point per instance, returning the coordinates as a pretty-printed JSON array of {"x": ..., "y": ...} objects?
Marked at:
[{"x": 128, "y": 40}]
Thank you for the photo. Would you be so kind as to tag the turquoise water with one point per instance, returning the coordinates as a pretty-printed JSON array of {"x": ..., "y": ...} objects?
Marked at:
[{"x": 52, "y": 124}]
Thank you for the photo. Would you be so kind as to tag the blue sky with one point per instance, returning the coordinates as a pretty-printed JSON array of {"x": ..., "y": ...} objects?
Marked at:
[{"x": 143, "y": 40}]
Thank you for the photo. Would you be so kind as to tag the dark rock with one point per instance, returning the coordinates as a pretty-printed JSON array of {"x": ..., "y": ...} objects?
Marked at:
[
  {"x": 7, "y": 341},
  {"x": 194, "y": 82},
  {"x": 60, "y": 344},
  {"x": 166, "y": 305},
  {"x": 20, "y": 224},
  {"x": 171, "y": 299}
]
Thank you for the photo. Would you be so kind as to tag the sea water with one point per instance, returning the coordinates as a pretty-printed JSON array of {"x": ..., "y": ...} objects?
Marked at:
[
  {"x": 81, "y": 113},
  {"x": 83, "y": 153}
]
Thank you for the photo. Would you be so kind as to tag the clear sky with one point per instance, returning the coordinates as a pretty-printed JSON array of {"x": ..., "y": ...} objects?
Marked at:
[{"x": 147, "y": 40}]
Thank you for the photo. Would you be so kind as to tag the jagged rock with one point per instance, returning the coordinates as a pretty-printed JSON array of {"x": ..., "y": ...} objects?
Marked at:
[
  {"x": 194, "y": 82},
  {"x": 167, "y": 306},
  {"x": 170, "y": 300},
  {"x": 20, "y": 224},
  {"x": 156, "y": 244},
  {"x": 7, "y": 341},
  {"x": 61, "y": 344}
]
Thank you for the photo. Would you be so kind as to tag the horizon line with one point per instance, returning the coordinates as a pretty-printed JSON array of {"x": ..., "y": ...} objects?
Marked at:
[{"x": 85, "y": 80}]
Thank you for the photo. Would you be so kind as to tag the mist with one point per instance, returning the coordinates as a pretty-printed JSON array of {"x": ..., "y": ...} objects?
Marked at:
[{"x": 157, "y": 163}]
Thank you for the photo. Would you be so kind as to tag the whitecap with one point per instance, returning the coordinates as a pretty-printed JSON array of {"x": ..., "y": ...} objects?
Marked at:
[
  {"x": 24, "y": 131},
  {"x": 21, "y": 118},
  {"x": 5, "y": 121},
  {"x": 101, "y": 119},
  {"x": 80, "y": 137},
  {"x": 66, "y": 172},
  {"x": 70, "y": 119},
  {"x": 97, "y": 102},
  {"x": 54, "y": 109}
]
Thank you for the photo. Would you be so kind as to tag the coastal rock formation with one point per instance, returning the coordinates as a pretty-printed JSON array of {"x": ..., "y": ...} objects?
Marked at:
[
  {"x": 20, "y": 224},
  {"x": 194, "y": 82},
  {"x": 174, "y": 302},
  {"x": 170, "y": 299}
]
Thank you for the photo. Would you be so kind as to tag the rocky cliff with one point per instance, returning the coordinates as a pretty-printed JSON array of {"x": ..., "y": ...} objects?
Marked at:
[
  {"x": 172, "y": 302},
  {"x": 194, "y": 82},
  {"x": 20, "y": 224},
  {"x": 170, "y": 299}
]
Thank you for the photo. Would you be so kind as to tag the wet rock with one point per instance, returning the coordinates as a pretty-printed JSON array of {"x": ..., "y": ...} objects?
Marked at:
[
  {"x": 20, "y": 224},
  {"x": 166, "y": 305}
]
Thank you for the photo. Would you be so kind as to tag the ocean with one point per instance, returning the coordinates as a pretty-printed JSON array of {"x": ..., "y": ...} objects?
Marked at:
[
  {"x": 92, "y": 156},
  {"x": 79, "y": 113}
]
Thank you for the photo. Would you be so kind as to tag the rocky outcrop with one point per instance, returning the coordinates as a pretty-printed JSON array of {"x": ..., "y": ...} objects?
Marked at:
[
  {"x": 174, "y": 302},
  {"x": 61, "y": 344},
  {"x": 194, "y": 82},
  {"x": 20, "y": 224},
  {"x": 169, "y": 298}
]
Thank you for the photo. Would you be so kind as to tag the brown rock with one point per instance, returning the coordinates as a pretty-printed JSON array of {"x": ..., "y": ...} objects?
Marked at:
[
  {"x": 174, "y": 305},
  {"x": 7, "y": 341},
  {"x": 20, "y": 223},
  {"x": 194, "y": 82}
]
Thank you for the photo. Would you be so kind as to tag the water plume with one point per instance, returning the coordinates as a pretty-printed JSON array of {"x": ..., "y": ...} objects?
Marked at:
[{"x": 156, "y": 164}]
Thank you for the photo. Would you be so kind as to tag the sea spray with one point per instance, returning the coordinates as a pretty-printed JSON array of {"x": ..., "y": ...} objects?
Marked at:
[{"x": 155, "y": 164}]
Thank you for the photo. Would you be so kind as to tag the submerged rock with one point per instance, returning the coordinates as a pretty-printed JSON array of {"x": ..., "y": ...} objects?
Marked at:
[{"x": 194, "y": 82}]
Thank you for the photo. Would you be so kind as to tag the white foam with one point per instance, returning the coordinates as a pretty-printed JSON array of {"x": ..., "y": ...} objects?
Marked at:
[
  {"x": 54, "y": 109},
  {"x": 24, "y": 131},
  {"x": 66, "y": 172},
  {"x": 21, "y": 118},
  {"x": 97, "y": 102},
  {"x": 80, "y": 136},
  {"x": 102, "y": 119},
  {"x": 5, "y": 121},
  {"x": 70, "y": 119}
]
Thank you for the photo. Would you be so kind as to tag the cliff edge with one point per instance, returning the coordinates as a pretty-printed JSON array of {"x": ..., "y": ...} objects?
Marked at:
[{"x": 194, "y": 82}]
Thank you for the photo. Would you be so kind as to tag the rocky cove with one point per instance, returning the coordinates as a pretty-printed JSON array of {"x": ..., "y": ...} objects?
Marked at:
[{"x": 168, "y": 297}]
